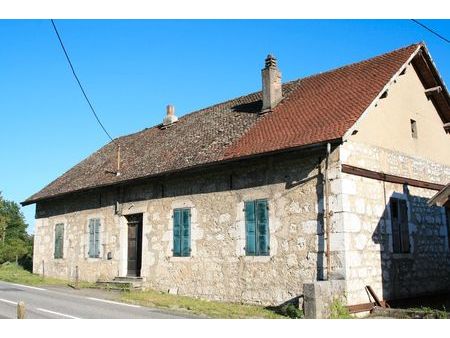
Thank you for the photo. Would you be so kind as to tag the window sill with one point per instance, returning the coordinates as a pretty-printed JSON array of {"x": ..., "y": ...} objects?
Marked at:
[
  {"x": 257, "y": 259},
  {"x": 93, "y": 259},
  {"x": 180, "y": 258},
  {"x": 406, "y": 255}
]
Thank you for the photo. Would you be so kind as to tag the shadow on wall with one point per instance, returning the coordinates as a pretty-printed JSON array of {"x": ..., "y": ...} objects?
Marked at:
[
  {"x": 291, "y": 169},
  {"x": 414, "y": 247},
  {"x": 320, "y": 219}
]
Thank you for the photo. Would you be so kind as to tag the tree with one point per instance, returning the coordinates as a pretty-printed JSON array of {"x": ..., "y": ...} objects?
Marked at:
[{"x": 15, "y": 243}]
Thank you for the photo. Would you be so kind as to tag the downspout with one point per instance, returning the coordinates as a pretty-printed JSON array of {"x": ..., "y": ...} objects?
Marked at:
[{"x": 327, "y": 211}]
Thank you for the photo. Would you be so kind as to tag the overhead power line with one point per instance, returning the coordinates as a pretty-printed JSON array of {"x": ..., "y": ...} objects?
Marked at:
[
  {"x": 78, "y": 81},
  {"x": 431, "y": 30}
]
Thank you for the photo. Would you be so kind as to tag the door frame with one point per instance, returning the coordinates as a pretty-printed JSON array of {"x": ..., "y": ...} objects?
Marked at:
[{"x": 139, "y": 243}]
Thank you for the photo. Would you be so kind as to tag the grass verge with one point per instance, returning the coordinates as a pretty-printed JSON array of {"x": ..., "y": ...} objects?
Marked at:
[
  {"x": 16, "y": 274},
  {"x": 211, "y": 309},
  {"x": 13, "y": 273}
]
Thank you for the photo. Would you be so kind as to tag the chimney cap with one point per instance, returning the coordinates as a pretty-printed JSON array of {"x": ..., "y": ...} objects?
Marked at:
[
  {"x": 271, "y": 61},
  {"x": 170, "y": 117}
]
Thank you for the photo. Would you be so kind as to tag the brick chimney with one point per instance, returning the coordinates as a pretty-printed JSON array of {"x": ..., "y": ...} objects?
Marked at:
[
  {"x": 170, "y": 116},
  {"x": 271, "y": 84}
]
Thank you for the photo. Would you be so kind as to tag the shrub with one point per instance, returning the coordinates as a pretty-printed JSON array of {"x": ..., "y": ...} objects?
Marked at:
[
  {"x": 291, "y": 310},
  {"x": 338, "y": 310}
]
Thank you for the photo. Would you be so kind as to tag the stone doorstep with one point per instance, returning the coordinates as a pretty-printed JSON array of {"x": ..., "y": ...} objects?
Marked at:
[
  {"x": 123, "y": 283},
  {"x": 129, "y": 279}
]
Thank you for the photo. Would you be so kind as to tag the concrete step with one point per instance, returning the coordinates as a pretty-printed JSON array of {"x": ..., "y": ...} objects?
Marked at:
[
  {"x": 128, "y": 279},
  {"x": 122, "y": 283}
]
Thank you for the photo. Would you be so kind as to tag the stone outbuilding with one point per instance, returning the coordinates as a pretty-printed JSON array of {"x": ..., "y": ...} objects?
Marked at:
[{"x": 322, "y": 178}]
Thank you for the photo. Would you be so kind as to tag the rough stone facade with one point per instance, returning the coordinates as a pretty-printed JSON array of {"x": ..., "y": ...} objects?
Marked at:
[
  {"x": 218, "y": 267},
  {"x": 360, "y": 239},
  {"x": 362, "y": 212},
  {"x": 361, "y": 248}
]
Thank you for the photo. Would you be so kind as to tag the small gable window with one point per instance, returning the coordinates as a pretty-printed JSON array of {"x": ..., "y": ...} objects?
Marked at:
[
  {"x": 94, "y": 238},
  {"x": 400, "y": 227},
  {"x": 257, "y": 228},
  {"x": 59, "y": 240},
  {"x": 413, "y": 128},
  {"x": 182, "y": 232}
]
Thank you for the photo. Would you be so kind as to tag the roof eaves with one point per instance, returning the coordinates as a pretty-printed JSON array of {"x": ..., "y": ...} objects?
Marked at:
[{"x": 187, "y": 169}]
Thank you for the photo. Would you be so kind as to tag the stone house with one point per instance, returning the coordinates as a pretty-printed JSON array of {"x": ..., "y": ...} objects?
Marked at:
[{"x": 322, "y": 178}]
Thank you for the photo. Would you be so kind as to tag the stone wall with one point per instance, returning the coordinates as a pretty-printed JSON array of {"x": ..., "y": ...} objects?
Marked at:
[
  {"x": 75, "y": 249},
  {"x": 362, "y": 211},
  {"x": 217, "y": 268}
]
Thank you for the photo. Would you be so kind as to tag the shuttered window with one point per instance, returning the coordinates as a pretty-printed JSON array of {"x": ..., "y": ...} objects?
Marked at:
[
  {"x": 182, "y": 232},
  {"x": 59, "y": 240},
  {"x": 256, "y": 228},
  {"x": 400, "y": 228},
  {"x": 447, "y": 212},
  {"x": 94, "y": 238}
]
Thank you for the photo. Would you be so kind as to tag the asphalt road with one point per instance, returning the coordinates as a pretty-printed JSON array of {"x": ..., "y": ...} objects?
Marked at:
[{"x": 62, "y": 303}]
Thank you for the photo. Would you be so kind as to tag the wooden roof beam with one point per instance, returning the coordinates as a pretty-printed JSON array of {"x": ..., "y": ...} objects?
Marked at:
[
  {"x": 433, "y": 90},
  {"x": 447, "y": 127}
]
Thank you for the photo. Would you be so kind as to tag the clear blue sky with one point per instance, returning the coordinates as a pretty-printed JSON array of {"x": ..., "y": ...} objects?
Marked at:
[{"x": 132, "y": 69}]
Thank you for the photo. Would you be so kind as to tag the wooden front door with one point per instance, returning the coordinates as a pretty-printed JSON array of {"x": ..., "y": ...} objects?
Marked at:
[{"x": 134, "y": 245}]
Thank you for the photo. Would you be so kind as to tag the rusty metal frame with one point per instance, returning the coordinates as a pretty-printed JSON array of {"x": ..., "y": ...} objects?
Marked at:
[{"x": 352, "y": 170}]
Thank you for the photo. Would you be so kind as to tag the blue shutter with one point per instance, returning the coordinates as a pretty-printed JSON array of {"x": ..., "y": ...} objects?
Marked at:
[
  {"x": 97, "y": 238},
  {"x": 59, "y": 240},
  {"x": 91, "y": 238},
  {"x": 177, "y": 232},
  {"x": 262, "y": 221},
  {"x": 250, "y": 228},
  {"x": 186, "y": 233}
]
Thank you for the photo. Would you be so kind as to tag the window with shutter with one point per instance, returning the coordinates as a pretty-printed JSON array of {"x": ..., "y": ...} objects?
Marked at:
[
  {"x": 256, "y": 228},
  {"x": 94, "y": 238},
  {"x": 400, "y": 226},
  {"x": 447, "y": 213},
  {"x": 59, "y": 240},
  {"x": 182, "y": 232}
]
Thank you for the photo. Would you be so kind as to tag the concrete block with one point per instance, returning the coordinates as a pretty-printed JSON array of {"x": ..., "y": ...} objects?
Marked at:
[{"x": 319, "y": 295}]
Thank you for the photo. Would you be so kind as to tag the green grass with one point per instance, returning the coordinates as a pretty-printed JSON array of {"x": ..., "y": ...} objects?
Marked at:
[
  {"x": 16, "y": 274},
  {"x": 211, "y": 309},
  {"x": 430, "y": 313},
  {"x": 338, "y": 310}
]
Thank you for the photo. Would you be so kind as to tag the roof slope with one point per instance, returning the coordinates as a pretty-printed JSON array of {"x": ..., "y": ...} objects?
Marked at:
[
  {"x": 314, "y": 109},
  {"x": 323, "y": 107}
]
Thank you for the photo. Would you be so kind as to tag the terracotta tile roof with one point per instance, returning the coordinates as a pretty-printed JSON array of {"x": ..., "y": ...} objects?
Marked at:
[
  {"x": 314, "y": 109},
  {"x": 323, "y": 107}
]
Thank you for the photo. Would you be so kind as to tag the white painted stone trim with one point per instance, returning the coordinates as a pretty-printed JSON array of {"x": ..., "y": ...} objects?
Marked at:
[
  {"x": 59, "y": 220},
  {"x": 411, "y": 225},
  {"x": 446, "y": 228},
  {"x": 131, "y": 208},
  {"x": 102, "y": 234},
  {"x": 196, "y": 231},
  {"x": 123, "y": 248},
  {"x": 240, "y": 227},
  {"x": 145, "y": 245}
]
